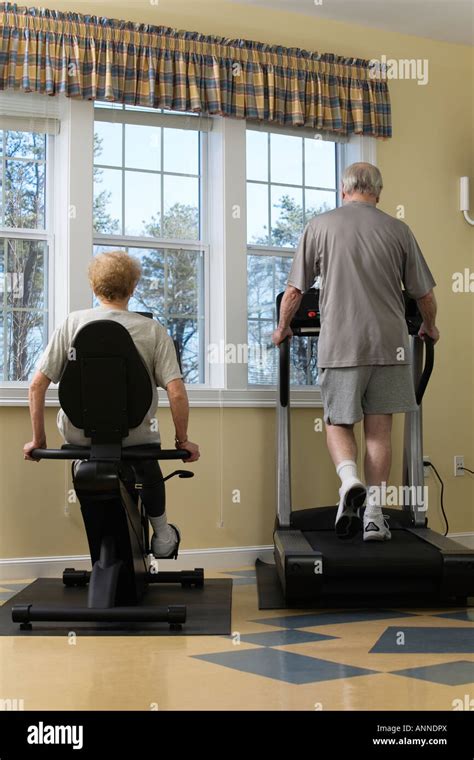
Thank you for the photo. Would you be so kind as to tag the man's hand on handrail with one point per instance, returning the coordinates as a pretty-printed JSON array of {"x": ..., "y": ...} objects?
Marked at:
[
  {"x": 193, "y": 449},
  {"x": 431, "y": 332},
  {"x": 428, "y": 308},
  {"x": 289, "y": 306},
  {"x": 179, "y": 406},
  {"x": 28, "y": 447}
]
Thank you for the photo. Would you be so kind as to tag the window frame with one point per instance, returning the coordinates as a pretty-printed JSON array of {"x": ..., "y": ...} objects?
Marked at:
[
  {"x": 201, "y": 245},
  {"x": 225, "y": 268},
  {"x": 285, "y": 251},
  {"x": 45, "y": 235}
]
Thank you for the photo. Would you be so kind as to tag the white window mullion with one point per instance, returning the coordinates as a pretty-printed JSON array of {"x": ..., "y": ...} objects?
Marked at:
[
  {"x": 358, "y": 148},
  {"x": 205, "y": 269},
  {"x": 73, "y": 206},
  {"x": 228, "y": 249},
  {"x": 50, "y": 226},
  {"x": 215, "y": 296}
]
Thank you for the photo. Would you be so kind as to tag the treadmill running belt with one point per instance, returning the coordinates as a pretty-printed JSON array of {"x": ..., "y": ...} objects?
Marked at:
[{"x": 404, "y": 555}]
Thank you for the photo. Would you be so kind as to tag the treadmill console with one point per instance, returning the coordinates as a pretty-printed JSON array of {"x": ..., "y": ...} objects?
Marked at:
[{"x": 307, "y": 318}]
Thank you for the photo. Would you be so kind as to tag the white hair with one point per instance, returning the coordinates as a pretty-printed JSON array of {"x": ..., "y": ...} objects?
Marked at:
[{"x": 362, "y": 178}]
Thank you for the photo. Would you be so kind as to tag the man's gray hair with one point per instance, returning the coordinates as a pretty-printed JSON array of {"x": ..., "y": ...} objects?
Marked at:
[{"x": 362, "y": 178}]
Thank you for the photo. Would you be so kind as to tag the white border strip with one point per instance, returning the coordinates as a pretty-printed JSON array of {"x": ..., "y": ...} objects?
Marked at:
[
  {"x": 210, "y": 559},
  {"x": 226, "y": 558},
  {"x": 466, "y": 539},
  {"x": 198, "y": 397}
]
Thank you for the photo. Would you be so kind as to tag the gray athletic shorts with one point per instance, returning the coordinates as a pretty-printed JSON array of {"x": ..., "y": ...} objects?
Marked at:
[{"x": 350, "y": 392}]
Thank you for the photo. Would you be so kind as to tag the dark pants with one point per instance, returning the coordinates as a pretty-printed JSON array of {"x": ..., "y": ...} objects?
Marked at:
[
  {"x": 152, "y": 493},
  {"x": 148, "y": 474}
]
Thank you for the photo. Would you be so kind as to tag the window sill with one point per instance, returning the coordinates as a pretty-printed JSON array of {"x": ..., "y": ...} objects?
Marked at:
[{"x": 16, "y": 394}]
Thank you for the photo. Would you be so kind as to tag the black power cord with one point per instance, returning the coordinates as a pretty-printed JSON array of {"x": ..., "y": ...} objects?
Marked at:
[
  {"x": 467, "y": 470},
  {"x": 430, "y": 464}
]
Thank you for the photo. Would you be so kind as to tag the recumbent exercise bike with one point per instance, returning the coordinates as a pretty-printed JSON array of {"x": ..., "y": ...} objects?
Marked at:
[{"x": 106, "y": 390}]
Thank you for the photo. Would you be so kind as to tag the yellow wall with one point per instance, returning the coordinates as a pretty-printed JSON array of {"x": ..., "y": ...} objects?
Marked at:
[{"x": 431, "y": 148}]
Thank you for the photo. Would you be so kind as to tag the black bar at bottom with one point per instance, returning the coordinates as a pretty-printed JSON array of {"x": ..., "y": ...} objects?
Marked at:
[
  {"x": 30, "y": 613},
  {"x": 407, "y": 735}
]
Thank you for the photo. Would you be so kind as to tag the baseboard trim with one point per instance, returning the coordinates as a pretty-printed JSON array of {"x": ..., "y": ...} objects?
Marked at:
[
  {"x": 467, "y": 539},
  {"x": 226, "y": 558}
]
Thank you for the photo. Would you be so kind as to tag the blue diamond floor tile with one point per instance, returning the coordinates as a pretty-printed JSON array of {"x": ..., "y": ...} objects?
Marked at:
[
  {"x": 13, "y": 587},
  {"x": 467, "y": 615},
  {"x": 244, "y": 581},
  {"x": 331, "y": 618},
  {"x": 284, "y": 666},
  {"x": 281, "y": 638},
  {"x": 449, "y": 673},
  {"x": 242, "y": 577},
  {"x": 425, "y": 640}
]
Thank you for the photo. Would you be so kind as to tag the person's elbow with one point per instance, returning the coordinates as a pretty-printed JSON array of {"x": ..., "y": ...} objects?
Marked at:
[
  {"x": 176, "y": 390},
  {"x": 293, "y": 296},
  {"x": 429, "y": 297},
  {"x": 39, "y": 383},
  {"x": 293, "y": 291}
]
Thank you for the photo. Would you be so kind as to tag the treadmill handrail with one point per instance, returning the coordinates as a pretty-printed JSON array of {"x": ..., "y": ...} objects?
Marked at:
[
  {"x": 284, "y": 372},
  {"x": 136, "y": 453},
  {"x": 427, "y": 369}
]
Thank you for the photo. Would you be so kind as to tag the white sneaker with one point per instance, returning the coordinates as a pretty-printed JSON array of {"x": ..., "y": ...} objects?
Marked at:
[
  {"x": 376, "y": 528},
  {"x": 352, "y": 497},
  {"x": 166, "y": 548}
]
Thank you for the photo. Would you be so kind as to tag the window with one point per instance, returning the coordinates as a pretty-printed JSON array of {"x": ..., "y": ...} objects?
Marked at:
[
  {"x": 148, "y": 199},
  {"x": 169, "y": 188},
  {"x": 24, "y": 236},
  {"x": 290, "y": 179}
]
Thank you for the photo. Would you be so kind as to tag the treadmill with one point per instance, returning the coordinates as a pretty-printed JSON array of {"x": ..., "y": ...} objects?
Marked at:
[{"x": 417, "y": 567}]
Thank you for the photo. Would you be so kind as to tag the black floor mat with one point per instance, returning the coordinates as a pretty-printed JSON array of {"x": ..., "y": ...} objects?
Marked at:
[{"x": 208, "y": 610}]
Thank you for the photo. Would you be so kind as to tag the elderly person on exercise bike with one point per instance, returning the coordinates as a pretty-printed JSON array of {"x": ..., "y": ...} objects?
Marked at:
[{"x": 113, "y": 277}]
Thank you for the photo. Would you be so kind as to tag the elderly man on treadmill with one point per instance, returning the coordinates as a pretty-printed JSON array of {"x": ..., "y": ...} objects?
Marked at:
[{"x": 363, "y": 257}]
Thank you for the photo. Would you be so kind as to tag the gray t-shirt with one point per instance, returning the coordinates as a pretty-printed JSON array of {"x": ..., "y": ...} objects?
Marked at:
[
  {"x": 154, "y": 345},
  {"x": 363, "y": 256}
]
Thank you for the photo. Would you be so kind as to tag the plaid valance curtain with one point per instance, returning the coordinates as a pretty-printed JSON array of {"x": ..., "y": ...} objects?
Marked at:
[{"x": 89, "y": 57}]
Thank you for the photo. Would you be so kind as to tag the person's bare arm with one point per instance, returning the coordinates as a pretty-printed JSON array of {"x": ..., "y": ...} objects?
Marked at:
[
  {"x": 428, "y": 309},
  {"x": 288, "y": 308},
  {"x": 179, "y": 405},
  {"x": 37, "y": 395}
]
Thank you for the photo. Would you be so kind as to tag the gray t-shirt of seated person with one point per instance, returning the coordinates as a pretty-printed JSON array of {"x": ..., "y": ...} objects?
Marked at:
[
  {"x": 152, "y": 342},
  {"x": 362, "y": 256}
]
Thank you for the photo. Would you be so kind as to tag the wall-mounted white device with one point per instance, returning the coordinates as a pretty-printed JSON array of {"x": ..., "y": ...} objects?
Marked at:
[{"x": 464, "y": 199}]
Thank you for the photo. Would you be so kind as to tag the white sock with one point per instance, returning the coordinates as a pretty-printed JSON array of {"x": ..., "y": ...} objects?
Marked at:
[
  {"x": 374, "y": 507},
  {"x": 160, "y": 527},
  {"x": 346, "y": 469}
]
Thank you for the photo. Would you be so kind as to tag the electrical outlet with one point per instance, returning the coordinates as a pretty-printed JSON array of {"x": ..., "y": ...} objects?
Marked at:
[
  {"x": 458, "y": 466},
  {"x": 426, "y": 467}
]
